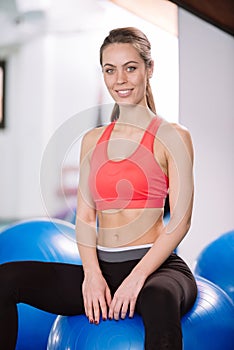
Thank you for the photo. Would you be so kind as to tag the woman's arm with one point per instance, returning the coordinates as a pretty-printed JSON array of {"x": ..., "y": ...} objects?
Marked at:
[
  {"x": 179, "y": 154},
  {"x": 96, "y": 293}
]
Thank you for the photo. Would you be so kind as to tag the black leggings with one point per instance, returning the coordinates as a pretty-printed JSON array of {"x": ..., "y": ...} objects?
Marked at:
[{"x": 168, "y": 294}]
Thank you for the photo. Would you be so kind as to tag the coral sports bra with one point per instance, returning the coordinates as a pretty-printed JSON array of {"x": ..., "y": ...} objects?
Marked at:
[{"x": 133, "y": 182}]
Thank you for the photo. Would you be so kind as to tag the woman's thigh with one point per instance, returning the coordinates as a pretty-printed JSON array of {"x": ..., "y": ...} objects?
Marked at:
[
  {"x": 52, "y": 287},
  {"x": 171, "y": 288}
]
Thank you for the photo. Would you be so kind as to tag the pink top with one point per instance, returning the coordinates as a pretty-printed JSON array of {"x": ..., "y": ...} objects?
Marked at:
[{"x": 133, "y": 182}]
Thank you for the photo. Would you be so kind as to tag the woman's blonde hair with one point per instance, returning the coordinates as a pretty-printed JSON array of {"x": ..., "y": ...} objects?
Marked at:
[{"x": 140, "y": 42}]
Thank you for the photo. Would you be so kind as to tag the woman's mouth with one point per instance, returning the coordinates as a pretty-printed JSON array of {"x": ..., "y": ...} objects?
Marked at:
[{"x": 124, "y": 93}]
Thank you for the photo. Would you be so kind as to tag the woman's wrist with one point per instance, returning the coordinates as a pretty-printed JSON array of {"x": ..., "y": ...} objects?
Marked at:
[
  {"x": 92, "y": 270},
  {"x": 140, "y": 273}
]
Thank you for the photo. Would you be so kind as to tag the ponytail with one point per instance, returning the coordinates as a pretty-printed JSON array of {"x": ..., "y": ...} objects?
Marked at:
[
  {"x": 150, "y": 98},
  {"x": 115, "y": 112}
]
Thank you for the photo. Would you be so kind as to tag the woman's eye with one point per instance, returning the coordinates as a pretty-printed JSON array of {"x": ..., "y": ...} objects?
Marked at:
[
  {"x": 109, "y": 70},
  {"x": 131, "y": 69}
]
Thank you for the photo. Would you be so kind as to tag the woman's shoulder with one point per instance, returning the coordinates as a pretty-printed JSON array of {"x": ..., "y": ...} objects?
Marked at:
[
  {"x": 170, "y": 128},
  {"x": 92, "y": 136},
  {"x": 171, "y": 134}
]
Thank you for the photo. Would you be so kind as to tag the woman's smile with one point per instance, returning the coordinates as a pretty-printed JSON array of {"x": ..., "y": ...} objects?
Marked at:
[{"x": 124, "y": 93}]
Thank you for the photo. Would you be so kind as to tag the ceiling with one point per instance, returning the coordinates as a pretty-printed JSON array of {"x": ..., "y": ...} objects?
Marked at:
[
  {"x": 163, "y": 13},
  {"x": 217, "y": 12}
]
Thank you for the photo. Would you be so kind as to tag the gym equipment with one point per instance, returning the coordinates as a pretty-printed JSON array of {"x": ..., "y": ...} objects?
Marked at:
[
  {"x": 39, "y": 240},
  {"x": 208, "y": 325},
  {"x": 216, "y": 263}
]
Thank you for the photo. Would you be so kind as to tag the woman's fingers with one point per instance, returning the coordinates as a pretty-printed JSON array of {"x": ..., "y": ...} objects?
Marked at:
[
  {"x": 108, "y": 297},
  {"x": 95, "y": 308},
  {"x": 103, "y": 307},
  {"x": 97, "y": 298},
  {"x": 132, "y": 307},
  {"x": 97, "y": 304},
  {"x": 118, "y": 309},
  {"x": 111, "y": 310},
  {"x": 124, "y": 310},
  {"x": 96, "y": 311},
  {"x": 89, "y": 311}
]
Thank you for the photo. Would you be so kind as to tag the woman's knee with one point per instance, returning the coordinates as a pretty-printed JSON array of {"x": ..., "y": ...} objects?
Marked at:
[
  {"x": 7, "y": 280},
  {"x": 161, "y": 288},
  {"x": 161, "y": 294}
]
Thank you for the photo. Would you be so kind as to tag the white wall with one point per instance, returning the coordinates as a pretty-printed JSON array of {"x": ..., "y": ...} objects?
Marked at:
[
  {"x": 207, "y": 110},
  {"x": 51, "y": 78},
  {"x": 21, "y": 143},
  {"x": 44, "y": 89}
]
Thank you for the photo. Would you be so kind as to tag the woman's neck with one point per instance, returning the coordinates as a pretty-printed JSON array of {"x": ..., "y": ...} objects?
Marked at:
[{"x": 135, "y": 115}]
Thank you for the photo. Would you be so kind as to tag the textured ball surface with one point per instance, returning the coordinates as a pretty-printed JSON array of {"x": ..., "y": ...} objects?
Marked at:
[
  {"x": 216, "y": 263},
  {"x": 75, "y": 332},
  {"x": 38, "y": 240},
  {"x": 208, "y": 325}
]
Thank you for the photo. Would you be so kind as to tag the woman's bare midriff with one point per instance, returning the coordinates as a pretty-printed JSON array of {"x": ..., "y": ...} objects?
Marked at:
[{"x": 129, "y": 227}]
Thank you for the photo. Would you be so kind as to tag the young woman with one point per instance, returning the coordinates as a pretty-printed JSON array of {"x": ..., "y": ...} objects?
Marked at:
[{"x": 127, "y": 169}]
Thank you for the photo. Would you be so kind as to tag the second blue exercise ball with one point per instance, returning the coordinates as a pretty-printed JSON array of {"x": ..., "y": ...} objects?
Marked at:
[
  {"x": 209, "y": 324},
  {"x": 39, "y": 240},
  {"x": 216, "y": 263}
]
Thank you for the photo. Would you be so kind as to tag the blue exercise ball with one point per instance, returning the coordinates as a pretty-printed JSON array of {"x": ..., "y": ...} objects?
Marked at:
[
  {"x": 39, "y": 240},
  {"x": 216, "y": 263},
  {"x": 208, "y": 325},
  {"x": 75, "y": 332}
]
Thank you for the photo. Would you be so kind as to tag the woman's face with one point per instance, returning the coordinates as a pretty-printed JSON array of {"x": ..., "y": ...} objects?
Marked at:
[{"x": 125, "y": 74}]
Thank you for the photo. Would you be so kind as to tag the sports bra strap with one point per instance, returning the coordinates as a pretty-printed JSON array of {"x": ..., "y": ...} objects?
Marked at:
[
  {"x": 106, "y": 133},
  {"x": 148, "y": 136},
  {"x": 150, "y": 133}
]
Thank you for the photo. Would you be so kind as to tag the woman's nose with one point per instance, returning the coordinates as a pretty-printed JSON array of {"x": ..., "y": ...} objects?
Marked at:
[{"x": 121, "y": 77}]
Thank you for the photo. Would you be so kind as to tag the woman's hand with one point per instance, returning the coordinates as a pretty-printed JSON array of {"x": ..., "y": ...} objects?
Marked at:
[
  {"x": 125, "y": 297},
  {"x": 96, "y": 295}
]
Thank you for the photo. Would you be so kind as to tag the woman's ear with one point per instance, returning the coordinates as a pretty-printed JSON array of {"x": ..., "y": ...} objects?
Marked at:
[{"x": 151, "y": 69}]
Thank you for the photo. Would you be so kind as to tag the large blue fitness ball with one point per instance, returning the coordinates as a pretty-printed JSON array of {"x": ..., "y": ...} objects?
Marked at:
[
  {"x": 38, "y": 240},
  {"x": 75, "y": 332},
  {"x": 208, "y": 325},
  {"x": 216, "y": 263}
]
